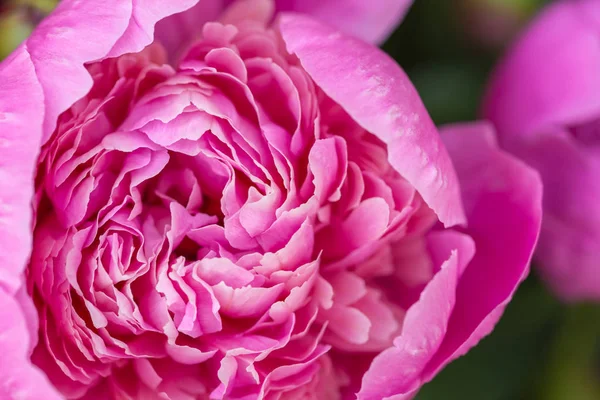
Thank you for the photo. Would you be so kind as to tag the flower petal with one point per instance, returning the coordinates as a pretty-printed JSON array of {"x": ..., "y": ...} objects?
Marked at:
[
  {"x": 570, "y": 237},
  {"x": 371, "y": 21},
  {"x": 178, "y": 30},
  {"x": 18, "y": 378},
  {"x": 551, "y": 75},
  {"x": 502, "y": 199},
  {"x": 379, "y": 96},
  {"x": 38, "y": 81},
  {"x": 503, "y": 203},
  {"x": 396, "y": 371}
]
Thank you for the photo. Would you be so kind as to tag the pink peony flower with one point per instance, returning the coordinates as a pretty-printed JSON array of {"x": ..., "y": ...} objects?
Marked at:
[
  {"x": 273, "y": 217},
  {"x": 545, "y": 102}
]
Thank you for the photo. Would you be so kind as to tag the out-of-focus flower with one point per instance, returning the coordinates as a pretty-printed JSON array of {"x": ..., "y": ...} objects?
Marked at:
[
  {"x": 493, "y": 23},
  {"x": 545, "y": 102},
  {"x": 273, "y": 217}
]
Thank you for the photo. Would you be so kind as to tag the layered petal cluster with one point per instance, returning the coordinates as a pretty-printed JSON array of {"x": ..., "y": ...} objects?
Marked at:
[
  {"x": 274, "y": 216},
  {"x": 545, "y": 102},
  {"x": 371, "y": 21}
]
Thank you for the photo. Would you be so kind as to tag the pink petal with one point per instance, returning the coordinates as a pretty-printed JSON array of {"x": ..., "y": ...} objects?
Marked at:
[
  {"x": 246, "y": 301},
  {"x": 328, "y": 162},
  {"x": 348, "y": 288},
  {"x": 143, "y": 16},
  {"x": 378, "y": 96},
  {"x": 551, "y": 74},
  {"x": 502, "y": 198},
  {"x": 241, "y": 11},
  {"x": 397, "y": 370},
  {"x": 570, "y": 238},
  {"x": 372, "y": 21},
  {"x": 178, "y": 30},
  {"x": 18, "y": 377},
  {"x": 33, "y": 97}
]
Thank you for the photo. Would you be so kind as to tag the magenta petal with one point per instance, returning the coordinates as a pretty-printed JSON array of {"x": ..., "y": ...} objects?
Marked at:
[
  {"x": 19, "y": 379},
  {"x": 38, "y": 81},
  {"x": 143, "y": 16},
  {"x": 379, "y": 96},
  {"x": 397, "y": 370},
  {"x": 21, "y": 111},
  {"x": 372, "y": 21},
  {"x": 502, "y": 199},
  {"x": 570, "y": 240},
  {"x": 503, "y": 203},
  {"x": 178, "y": 30},
  {"x": 328, "y": 162},
  {"x": 31, "y": 98},
  {"x": 551, "y": 75},
  {"x": 68, "y": 31},
  {"x": 243, "y": 11}
]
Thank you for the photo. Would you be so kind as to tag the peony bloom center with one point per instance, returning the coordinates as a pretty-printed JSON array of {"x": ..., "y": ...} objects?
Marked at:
[{"x": 221, "y": 229}]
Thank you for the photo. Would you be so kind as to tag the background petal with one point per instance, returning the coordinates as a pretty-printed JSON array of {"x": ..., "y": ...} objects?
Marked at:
[
  {"x": 551, "y": 74},
  {"x": 569, "y": 245},
  {"x": 379, "y": 96}
]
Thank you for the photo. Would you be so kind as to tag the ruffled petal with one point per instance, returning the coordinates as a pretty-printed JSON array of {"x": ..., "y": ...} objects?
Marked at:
[
  {"x": 396, "y": 370},
  {"x": 371, "y": 21},
  {"x": 40, "y": 80}
]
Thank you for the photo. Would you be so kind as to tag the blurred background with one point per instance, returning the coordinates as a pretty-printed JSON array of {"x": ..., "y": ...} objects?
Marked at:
[{"x": 541, "y": 349}]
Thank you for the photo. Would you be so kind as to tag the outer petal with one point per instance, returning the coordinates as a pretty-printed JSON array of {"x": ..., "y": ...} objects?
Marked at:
[
  {"x": 570, "y": 239},
  {"x": 379, "y": 96},
  {"x": 551, "y": 75},
  {"x": 503, "y": 203},
  {"x": 373, "y": 21},
  {"x": 502, "y": 199},
  {"x": 18, "y": 378},
  {"x": 41, "y": 79}
]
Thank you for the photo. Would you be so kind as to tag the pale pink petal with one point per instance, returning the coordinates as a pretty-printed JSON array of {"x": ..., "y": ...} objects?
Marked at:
[
  {"x": 243, "y": 11},
  {"x": 328, "y": 162}
]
